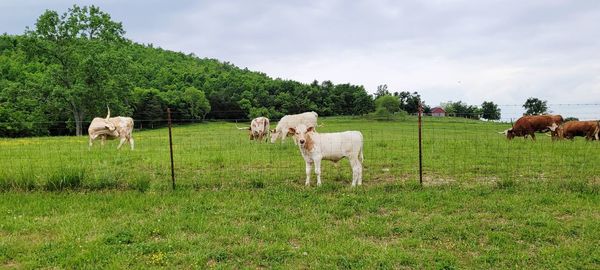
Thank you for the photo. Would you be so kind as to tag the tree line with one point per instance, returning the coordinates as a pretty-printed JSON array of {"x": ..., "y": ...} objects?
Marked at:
[{"x": 68, "y": 68}]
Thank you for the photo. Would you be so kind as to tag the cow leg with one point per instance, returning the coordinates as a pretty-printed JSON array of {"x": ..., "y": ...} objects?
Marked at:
[
  {"x": 131, "y": 143},
  {"x": 91, "y": 142},
  {"x": 533, "y": 136},
  {"x": 318, "y": 170},
  {"x": 102, "y": 140},
  {"x": 356, "y": 172},
  {"x": 123, "y": 139},
  {"x": 308, "y": 169}
]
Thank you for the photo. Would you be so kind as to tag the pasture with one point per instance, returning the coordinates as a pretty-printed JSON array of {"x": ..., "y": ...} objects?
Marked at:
[{"x": 486, "y": 202}]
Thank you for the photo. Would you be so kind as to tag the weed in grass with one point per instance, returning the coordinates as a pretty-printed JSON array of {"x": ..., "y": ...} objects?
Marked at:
[
  {"x": 69, "y": 178},
  {"x": 579, "y": 186},
  {"x": 105, "y": 179},
  {"x": 257, "y": 184},
  {"x": 506, "y": 184},
  {"x": 350, "y": 263},
  {"x": 120, "y": 238},
  {"x": 23, "y": 181},
  {"x": 6, "y": 183},
  {"x": 158, "y": 258},
  {"x": 381, "y": 144},
  {"x": 218, "y": 161},
  {"x": 141, "y": 183}
]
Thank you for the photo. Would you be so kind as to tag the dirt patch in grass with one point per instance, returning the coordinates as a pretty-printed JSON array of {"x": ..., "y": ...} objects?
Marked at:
[{"x": 434, "y": 180}]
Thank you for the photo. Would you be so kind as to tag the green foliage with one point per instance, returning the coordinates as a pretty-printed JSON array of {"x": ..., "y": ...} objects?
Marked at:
[
  {"x": 409, "y": 102},
  {"x": 490, "y": 111},
  {"x": 83, "y": 50},
  {"x": 461, "y": 109},
  {"x": 535, "y": 106},
  {"x": 390, "y": 103},
  {"x": 70, "y": 178},
  {"x": 66, "y": 69},
  {"x": 571, "y": 119}
]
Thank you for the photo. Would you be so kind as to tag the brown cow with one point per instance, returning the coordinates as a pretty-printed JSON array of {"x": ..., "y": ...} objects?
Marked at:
[
  {"x": 529, "y": 124},
  {"x": 571, "y": 129}
]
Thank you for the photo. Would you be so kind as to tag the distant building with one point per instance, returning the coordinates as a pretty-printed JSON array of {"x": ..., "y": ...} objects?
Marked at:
[{"x": 438, "y": 112}]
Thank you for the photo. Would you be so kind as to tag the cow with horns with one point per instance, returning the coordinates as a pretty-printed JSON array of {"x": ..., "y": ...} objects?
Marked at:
[
  {"x": 258, "y": 129},
  {"x": 529, "y": 124},
  {"x": 111, "y": 128},
  {"x": 569, "y": 130}
]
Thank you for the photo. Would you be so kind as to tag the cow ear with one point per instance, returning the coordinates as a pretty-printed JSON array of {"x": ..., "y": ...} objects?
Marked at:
[
  {"x": 292, "y": 130},
  {"x": 310, "y": 129}
]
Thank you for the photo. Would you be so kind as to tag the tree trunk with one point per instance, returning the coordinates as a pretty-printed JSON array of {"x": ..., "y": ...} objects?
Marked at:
[{"x": 78, "y": 117}]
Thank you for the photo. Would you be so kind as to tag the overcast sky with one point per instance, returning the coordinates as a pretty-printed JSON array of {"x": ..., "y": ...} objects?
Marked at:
[{"x": 502, "y": 51}]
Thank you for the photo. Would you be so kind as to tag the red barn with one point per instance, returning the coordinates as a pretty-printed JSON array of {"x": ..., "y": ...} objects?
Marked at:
[{"x": 438, "y": 112}]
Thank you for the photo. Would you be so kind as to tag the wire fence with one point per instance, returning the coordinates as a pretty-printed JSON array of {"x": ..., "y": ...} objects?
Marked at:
[{"x": 215, "y": 154}]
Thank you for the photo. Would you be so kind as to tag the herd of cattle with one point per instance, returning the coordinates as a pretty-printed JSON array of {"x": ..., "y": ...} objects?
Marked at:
[
  {"x": 529, "y": 124},
  {"x": 316, "y": 147},
  {"x": 313, "y": 146}
]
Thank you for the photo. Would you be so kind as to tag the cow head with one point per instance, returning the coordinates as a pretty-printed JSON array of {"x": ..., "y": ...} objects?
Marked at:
[
  {"x": 555, "y": 131},
  {"x": 301, "y": 132},
  {"x": 110, "y": 126},
  {"x": 274, "y": 135},
  {"x": 509, "y": 133}
]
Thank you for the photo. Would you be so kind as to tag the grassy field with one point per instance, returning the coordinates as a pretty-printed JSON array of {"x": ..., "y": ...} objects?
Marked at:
[{"x": 486, "y": 202}]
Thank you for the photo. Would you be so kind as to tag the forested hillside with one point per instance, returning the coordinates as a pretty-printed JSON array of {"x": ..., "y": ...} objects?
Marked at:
[{"x": 67, "y": 68}]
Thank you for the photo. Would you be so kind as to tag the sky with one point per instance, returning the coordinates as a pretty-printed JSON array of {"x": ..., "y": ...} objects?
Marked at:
[{"x": 474, "y": 51}]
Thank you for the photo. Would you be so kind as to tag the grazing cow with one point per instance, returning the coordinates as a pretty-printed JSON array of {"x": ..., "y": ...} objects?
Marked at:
[
  {"x": 308, "y": 119},
  {"x": 259, "y": 128},
  {"x": 315, "y": 147},
  {"x": 571, "y": 129},
  {"x": 529, "y": 124},
  {"x": 111, "y": 128}
]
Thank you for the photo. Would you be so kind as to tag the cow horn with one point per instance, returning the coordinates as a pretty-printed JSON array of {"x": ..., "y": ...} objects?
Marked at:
[
  {"x": 108, "y": 114},
  {"x": 246, "y": 128}
]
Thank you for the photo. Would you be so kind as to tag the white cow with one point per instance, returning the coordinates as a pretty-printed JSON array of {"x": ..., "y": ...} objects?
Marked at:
[
  {"x": 308, "y": 119},
  {"x": 259, "y": 128},
  {"x": 111, "y": 128},
  {"x": 315, "y": 147}
]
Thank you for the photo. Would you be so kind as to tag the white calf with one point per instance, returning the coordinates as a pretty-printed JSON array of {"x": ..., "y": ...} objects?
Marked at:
[{"x": 330, "y": 146}]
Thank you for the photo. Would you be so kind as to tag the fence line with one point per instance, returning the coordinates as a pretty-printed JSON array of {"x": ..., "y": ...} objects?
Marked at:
[{"x": 217, "y": 154}]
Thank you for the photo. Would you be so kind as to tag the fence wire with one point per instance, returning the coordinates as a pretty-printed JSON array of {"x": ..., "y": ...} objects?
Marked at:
[{"x": 215, "y": 154}]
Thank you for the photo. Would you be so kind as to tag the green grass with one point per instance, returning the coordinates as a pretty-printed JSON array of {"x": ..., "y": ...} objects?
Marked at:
[{"x": 486, "y": 203}]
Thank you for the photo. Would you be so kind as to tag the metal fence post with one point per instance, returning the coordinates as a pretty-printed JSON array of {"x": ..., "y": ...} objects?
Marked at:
[
  {"x": 420, "y": 146},
  {"x": 171, "y": 148}
]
